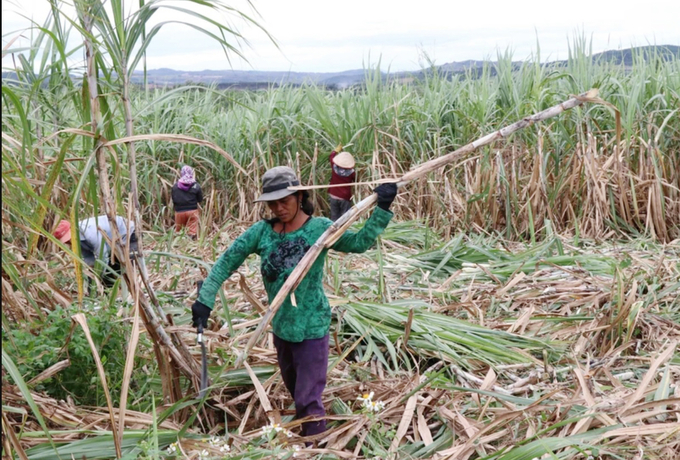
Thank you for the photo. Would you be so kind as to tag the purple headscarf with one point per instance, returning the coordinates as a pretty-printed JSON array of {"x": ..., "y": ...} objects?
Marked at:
[{"x": 187, "y": 178}]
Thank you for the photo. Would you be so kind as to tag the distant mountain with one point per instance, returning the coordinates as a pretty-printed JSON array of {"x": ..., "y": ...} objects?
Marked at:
[
  {"x": 626, "y": 57},
  {"x": 254, "y": 79},
  {"x": 249, "y": 78},
  {"x": 460, "y": 66},
  {"x": 618, "y": 57}
]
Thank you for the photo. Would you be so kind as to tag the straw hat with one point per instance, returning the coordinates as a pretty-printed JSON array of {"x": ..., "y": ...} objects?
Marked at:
[
  {"x": 275, "y": 183},
  {"x": 344, "y": 160}
]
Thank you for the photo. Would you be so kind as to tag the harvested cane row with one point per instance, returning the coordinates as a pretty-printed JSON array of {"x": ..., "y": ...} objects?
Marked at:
[{"x": 527, "y": 351}]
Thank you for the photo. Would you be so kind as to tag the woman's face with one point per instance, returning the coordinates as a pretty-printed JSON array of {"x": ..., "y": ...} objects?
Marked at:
[{"x": 285, "y": 208}]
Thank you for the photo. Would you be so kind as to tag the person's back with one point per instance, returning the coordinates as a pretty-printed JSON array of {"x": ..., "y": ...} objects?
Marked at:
[
  {"x": 186, "y": 194},
  {"x": 186, "y": 200},
  {"x": 92, "y": 240},
  {"x": 94, "y": 247}
]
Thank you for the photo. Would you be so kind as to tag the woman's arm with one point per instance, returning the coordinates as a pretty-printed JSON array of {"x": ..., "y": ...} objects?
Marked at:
[
  {"x": 362, "y": 240},
  {"x": 229, "y": 261}
]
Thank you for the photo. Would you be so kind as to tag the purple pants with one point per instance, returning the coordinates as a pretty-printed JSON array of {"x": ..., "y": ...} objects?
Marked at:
[{"x": 303, "y": 369}]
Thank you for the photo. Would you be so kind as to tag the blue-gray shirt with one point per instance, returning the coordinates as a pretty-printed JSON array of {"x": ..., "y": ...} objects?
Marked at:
[{"x": 92, "y": 242}]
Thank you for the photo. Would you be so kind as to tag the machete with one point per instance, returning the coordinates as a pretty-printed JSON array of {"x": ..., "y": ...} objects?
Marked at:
[{"x": 204, "y": 359}]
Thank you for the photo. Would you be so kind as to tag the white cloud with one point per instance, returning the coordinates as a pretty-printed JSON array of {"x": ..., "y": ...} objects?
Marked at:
[{"x": 322, "y": 36}]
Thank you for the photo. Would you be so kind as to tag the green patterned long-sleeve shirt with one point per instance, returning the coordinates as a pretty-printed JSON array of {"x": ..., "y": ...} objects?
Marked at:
[{"x": 279, "y": 255}]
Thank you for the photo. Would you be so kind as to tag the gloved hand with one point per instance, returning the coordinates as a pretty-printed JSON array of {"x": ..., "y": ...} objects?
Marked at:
[
  {"x": 386, "y": 194},
  {"x": 200, "y": 314},
  {"x": 338, "y": 148}
]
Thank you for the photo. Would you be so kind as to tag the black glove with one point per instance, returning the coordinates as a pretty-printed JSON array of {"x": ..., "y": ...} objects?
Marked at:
[
  {"x": 200, "y": 314},
  {"x": 386, "y": 194}
]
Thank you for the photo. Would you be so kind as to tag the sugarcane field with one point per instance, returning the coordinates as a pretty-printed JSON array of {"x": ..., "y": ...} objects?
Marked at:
[{"x": 478, "y": 265}]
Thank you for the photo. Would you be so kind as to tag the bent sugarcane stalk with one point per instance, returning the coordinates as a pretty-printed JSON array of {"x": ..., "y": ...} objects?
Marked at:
[{"x": 339, "y": 227}]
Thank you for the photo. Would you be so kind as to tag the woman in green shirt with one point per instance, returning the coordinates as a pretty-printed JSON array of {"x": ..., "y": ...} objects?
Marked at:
[{"x": 301, "y": 325}]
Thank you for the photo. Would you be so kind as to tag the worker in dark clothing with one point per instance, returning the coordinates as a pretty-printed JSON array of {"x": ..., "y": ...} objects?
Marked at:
[
  {"x": 342, "y": 172},
  {"x": 186, "y": 194},
  {"x": 301, "y": 326}
]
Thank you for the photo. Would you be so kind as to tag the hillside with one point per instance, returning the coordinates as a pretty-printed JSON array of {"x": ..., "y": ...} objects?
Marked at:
[
  {"x": 252, "y": 79},
  {"x": 255, "y": 79},
  {"x": 624, "y": 57}
]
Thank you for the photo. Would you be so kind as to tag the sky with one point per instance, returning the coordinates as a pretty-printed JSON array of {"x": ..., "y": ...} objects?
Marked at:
[{"x": 333, "y": 36}]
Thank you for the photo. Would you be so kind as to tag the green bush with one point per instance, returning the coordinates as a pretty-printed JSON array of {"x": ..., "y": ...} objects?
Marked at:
[{"x": 40, "y": 345}]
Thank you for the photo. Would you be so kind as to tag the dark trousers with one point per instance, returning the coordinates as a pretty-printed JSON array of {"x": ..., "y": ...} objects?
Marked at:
[
  {"x": 339, "y": 207},
  {"x": 112, "y": 271},
  {"x": 303, "y": 369},
  {"x": 108, "y": 277}
]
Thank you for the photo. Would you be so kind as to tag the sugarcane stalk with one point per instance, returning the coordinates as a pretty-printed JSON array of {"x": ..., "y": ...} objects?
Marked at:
[
  {"x": 175, "y": 347},
  {"x": 180, "y": 138},
  {"x": 335, "y": 231},
  {"x": 87, "y": 21}
]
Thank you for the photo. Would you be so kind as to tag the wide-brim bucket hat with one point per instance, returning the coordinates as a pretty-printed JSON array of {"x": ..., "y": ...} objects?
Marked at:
[
  {"x": 275, "y": 183},
  {"x": 344, "y": 160}
]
